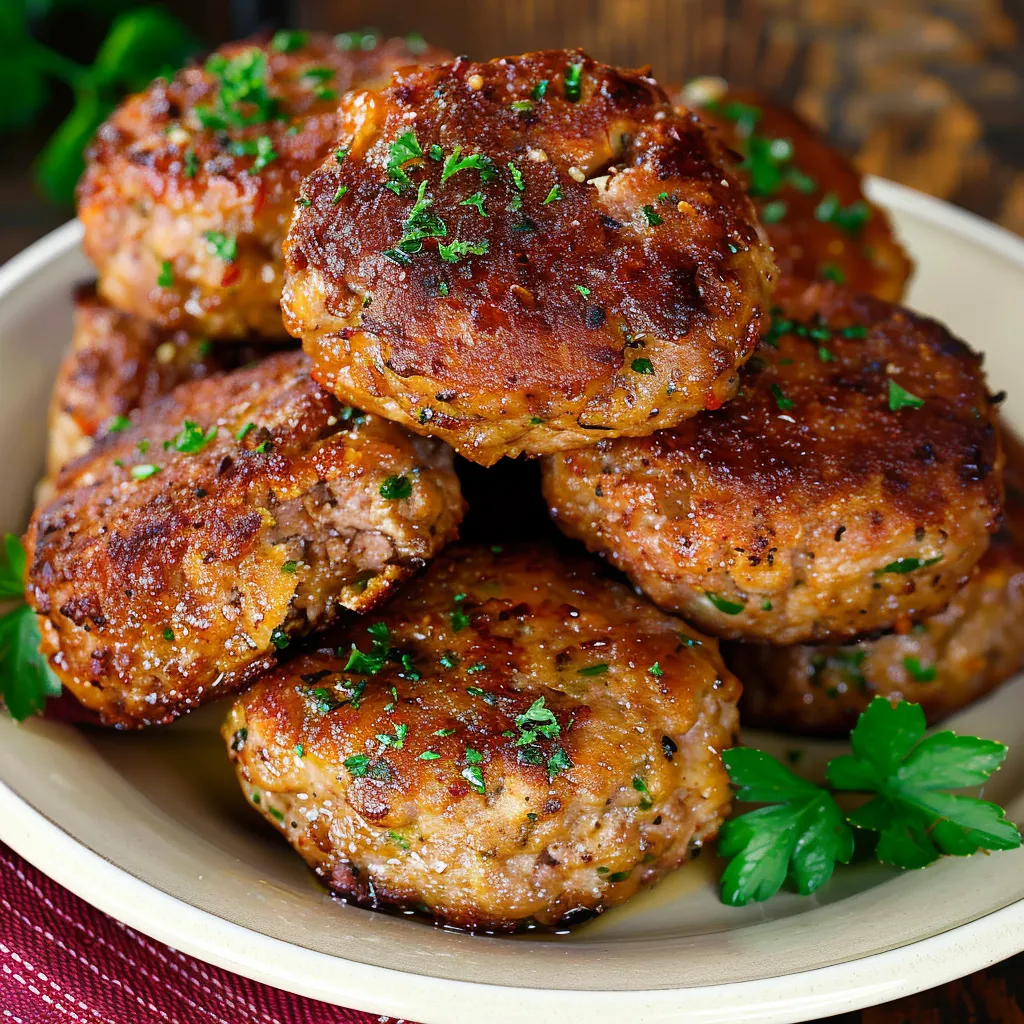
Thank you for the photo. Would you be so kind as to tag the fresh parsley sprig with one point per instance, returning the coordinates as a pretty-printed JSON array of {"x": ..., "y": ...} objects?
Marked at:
[
  {"x": 802, "y": 833},
  {"x": 26, "y": 679}
]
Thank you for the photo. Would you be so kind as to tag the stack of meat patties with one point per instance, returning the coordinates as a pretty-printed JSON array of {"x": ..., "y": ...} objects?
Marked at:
[{"x": 536, "y": 256}]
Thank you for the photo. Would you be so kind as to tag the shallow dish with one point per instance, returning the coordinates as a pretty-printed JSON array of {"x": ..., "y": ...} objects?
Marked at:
[{"x": 151, "y": 827}]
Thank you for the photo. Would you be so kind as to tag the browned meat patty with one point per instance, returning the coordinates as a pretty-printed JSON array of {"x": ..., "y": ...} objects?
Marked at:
[
  {"x": 189, "y": 186},
  {"x": 180, "y": 554},
  {"x": 526, "y": 255},
  {"x": 942, "y": 663},
  {"x": 853, "y": 481},
  {"x": 117, "y": 363},
  {"x": 808, "y": 195},
  {"x": 518, "y": 740}
]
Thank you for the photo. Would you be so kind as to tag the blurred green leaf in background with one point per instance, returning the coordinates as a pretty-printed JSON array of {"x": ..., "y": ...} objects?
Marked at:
[{"x": 141, "y": 44}]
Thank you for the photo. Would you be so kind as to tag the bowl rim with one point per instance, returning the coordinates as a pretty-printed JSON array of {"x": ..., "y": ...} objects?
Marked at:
[{"x": 851, "y": 985}]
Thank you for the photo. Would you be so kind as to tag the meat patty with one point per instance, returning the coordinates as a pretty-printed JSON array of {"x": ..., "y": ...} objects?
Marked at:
[
  {"x": 942, "y": 663},
  {"x": 853, "y": 481},
  {"x": 808, "y": 195},
  {"x": 180, "y": 554},
  {"x": 189, "y": 186},
  {"x": 517, "y": 740},
  {"x": 525, "y": 255},
  {"x": 117, "y": 363}
]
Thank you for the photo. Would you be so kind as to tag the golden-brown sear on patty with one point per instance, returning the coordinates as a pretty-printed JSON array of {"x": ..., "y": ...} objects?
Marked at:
[
  {"x": 117, "y": 363},
  {"x": 526, "y": 255},
  {"x": 189, "y": 186},
  {"x": 808, "y": 195},
  {"x": 535, "y": 744},
  {"x": 178, "y": 556},
  {"x": 854, "y": 481},
  {"x": 942, "y": 662}
]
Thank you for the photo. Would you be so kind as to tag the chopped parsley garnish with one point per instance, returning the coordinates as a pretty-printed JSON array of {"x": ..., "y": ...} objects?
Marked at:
[
  {"x": 395, "y": 488},
  {"x": 419, "y": 225},
  {"x": 642, "y": 365},
  {"x": 593, "y": 670},
  {"x": 825, "y": 355},
  {"x": 899, "y": 398},
  {"x": 536, "y": 720},
  {"x": 832, "y": 272},
  {"x": 724, "y": 605},
  {"x": 784, "y": 403},
  {"x": 477, "y": 691},
  {"x": 243, "y": 98},
  {"x": 191, "y": 438},
  {"x": 262, "y": 148},
  {"x": 144, "y": 470},
  {"x": 458, "y": 618},
  {"x": 290, "y": 566},
  {"x": 653, "y": 218},
  {"x": 380, "y": 650},
  {"x": 191, "y": 163},
  {"x": 480, "y": 666},
  {"x": 554, "y": 195},
  {"x": 476, "y": 200},
  {"x": 398, "y": 839},
  {"x": 165, "y": 279},
  {"x": 449, "y": 660},
  {"x": 521, "y": 106},
  {"x": 646, "y": 803},
  {"x": 289, "y": 40},
  {"x": 849, "y": 219},
  {"x": 168, "y": 634},
  {"x": 456, "y": 250},
  {"x": 117, "y": 424},
  {"x": 436, "y": 152},
  {"x": 904, "y": 565},
  {"x": 918, "y": 672},
  {"x": 473, "y": 773},
  {"x": 517, "y": 177},
  {"x": 337, "y": 197},
  {"x": 358, "y": 765},
  {"x": 280, "y": 639},
  {"x": 538, "y": 91},
  {"x": 223, "y": 246},
  {"x": 558, "y": 762},
  {"x": 802, "y": 832},
  {"x": 397, "y": 741},
  {"x": 656, "y": 670},
  {"x": 455, "y": 162},
  {"x": 405, "y": 149},
  {"x": 428, "y": 755},
  {"x": 773, "y": 212},
  {"x": 582, "y": 289},
  {"x": 318, "y": 74},
  {"x": 362, "y": 39},
  {"x": 240, "y": 436},
  {"x": 446, "y": 732},
  {"x": 26, "y": 679},
  {"x": 572, "y": 82}
]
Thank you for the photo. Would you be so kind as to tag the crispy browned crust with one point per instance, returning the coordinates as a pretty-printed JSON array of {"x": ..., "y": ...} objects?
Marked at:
[
  {"x": 789, "y": 503},
  {"x": 583, "y": 319},
  {"x": 417, "y": 832},
  {"x": 158, "y": 594},
  {"x": 808, "y": 247},
  {"x": 942, "y": 663},
  {"x": 142, "y": 203},
  {"x": 117, "y": 363}
]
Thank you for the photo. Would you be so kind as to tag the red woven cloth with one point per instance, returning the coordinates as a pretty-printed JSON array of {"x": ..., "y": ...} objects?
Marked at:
[{"x": 63, "y": 961}]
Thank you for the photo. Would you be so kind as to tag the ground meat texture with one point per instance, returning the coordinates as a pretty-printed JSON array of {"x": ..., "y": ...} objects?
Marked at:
[
  {"x": 808, "y": 195},
  {"x": 853, "y": 482},
  {"x": 942, "y": 663},
  {"x": 178, "y": 556},
  {"x": 526, "y": 255},
  {"x": 189, "y": 186},
  {"x": 117, "y": 363},
  {"x": 537, "y": 744}
]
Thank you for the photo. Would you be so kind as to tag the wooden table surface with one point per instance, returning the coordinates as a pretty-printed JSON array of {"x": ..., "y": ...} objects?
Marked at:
[{"x": 926, "y": 92}]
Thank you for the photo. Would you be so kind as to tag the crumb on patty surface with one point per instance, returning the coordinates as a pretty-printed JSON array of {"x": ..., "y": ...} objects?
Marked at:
[{"x": 537, "y": 744}]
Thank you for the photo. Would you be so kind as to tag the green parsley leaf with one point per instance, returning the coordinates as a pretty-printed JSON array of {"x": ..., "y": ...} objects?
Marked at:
[
  {"x": 521, "y": 106},
  {"x": 144, "y": 470},
  {"x": 404, "y": 150},
  {"x": 773, "y": 212},
  {"x": 429, "y": 755},
  {"x": 918, "y": 672},
  {"x": 290, "y": 566},
  {"x": 289, "y": 40},
  {"x": 554, "y": 196},
  {"x": 261, "y": 148},
  {"x": 656, "y": 670},
  {"x": 458, "y": 249},
  {"x": 191, "y": 439},
  {"x": 118, "y": 423},
  {"x": 784, "y": 403},
  {"x": 800, "y": 835},
  {"x": 380, "y": 651},
  {"x": 473, "y": 773},
  {"x": 337, "y": 197},
  {"x": 280, "y": 639},
  {"x": 397, "y": 741},
  {"x": 398, "y": 839},
  {"x": 902, "y": 399},
  {"x": 833, "y": 272},
  {"x": 572, "y": 82},
  {"x": 476, "y": 200},
  {"x": 191, "y": 163},
  {"x": 593, "y": 670},
  {"x": 538, "y": 91},
  {"x": 724, "y": 605},
  {"x": 640, "y": 785},
  {"x": 642, "y": 365},
  {"x": 168, "y": 634},
  {"x": 475, "y": 161},
  {"x": 517, "y": 176},
  {"x": 916, "y": 821},
  {"x": 240, "y": 436},
  {"x": 365, "y": 39},
  {"x": 849, "y": 219},
  {"x": 165, "y": 279},
  {"x": 243, "y": 98},
  {"x": 396, "y": 488},
  {"x": 436, "y": 152},
  {"x": 653, "y": 218},
  {"x": 558, "y": 762},
  {"x": 358, "y": 765},
  {"x": 904, "y": 565},
  {"x": 223, "y": 246},
  {"x": 582, "y": 289}
]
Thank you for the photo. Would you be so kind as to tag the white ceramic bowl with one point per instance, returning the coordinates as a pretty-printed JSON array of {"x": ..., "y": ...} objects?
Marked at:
[{"x": 151, "y": 827}]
